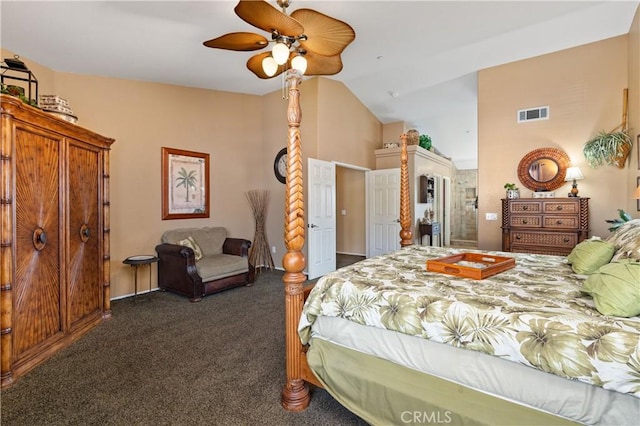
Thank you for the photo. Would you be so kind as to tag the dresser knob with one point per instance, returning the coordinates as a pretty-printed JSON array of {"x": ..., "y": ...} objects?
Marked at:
[
  {"x": 517, "y": 237},
  {"x": 559, "y": 222},
  {"x": 566, "y": 240},
  {"x": 525, "y": 207},
  {"x": 525, "y": 221},
  {"x": 558, "y": 207}
]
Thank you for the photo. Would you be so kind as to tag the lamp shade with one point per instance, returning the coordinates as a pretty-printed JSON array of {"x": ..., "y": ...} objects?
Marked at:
[
  {"x": 636, "y": 193},
  {"x": 280, "y": 53},
  {"x": 269, "y": 66},
  {"x": 573, "y": 173}
]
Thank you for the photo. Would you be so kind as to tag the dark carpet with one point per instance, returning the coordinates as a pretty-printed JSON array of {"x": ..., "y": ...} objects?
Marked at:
[{"x": 166, "y": 361}]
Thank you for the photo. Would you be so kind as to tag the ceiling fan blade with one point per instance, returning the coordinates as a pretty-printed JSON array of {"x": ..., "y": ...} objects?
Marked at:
[
  {"x": 254, "y": 64},
  {"x": 261, "y": 14},
  {"x": 238, "y": 41},
  {"x": 322, "y": 65},
  {"x": 326, "y": 36}
]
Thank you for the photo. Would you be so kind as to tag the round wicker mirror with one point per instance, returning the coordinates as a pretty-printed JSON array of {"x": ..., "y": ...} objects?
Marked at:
[{"x": 543, "y": 169}]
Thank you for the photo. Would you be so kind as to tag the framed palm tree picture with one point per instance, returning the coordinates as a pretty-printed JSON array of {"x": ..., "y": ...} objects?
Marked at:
[{"x": 185, "y": 184}]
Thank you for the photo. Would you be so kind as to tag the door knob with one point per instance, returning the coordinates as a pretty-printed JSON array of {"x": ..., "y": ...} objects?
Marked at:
[
  {"x": 84, "y": 233},
  {"x": 311, "y": 225},
  {"x": 39, "y": 238}
]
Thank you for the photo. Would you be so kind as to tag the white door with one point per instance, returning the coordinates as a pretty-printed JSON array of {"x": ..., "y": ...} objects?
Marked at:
[
  {"x": 383, "y": 211},
  {"x": 321, "y": 218}
]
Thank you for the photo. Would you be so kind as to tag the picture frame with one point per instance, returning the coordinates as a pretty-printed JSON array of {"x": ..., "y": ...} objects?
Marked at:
[
  {"x": 638, "y": 149},
  {"x": 185, "y": 184}
]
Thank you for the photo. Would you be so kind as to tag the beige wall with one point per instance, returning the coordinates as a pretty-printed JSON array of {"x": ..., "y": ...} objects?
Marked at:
[
  {"x": 350, "y": 197},
  {"x": 583, "y": 87},
  {"x": 634, "y": 110},
  {"x": 241, "y": 133}
]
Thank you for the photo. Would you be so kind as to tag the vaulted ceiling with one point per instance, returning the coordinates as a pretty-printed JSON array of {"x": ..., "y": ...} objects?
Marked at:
[{"x": 411, "y": 61}]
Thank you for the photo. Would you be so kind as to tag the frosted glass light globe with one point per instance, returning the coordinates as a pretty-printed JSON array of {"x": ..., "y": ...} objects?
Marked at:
[
  {"x": 269, "y": 66},
  {"x": 280, "y": 53},
  {"x": 299, "y": 63}
]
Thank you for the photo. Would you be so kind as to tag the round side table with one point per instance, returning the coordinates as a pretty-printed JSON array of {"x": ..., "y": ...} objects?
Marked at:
[{"x": 135, "y": 262}]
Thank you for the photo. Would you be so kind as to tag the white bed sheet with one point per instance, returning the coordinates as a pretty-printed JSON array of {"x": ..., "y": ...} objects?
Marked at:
[{"x": 571, "y": 399}]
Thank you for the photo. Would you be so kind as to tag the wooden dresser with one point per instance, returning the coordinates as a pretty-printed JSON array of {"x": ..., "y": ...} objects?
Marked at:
[
  {"x": 54, "y": 235},
  {"x": 544, "y": 225}
]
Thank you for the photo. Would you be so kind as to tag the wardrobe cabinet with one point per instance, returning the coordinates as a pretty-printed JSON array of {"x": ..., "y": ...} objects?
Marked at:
[{"x": 54, "y": 237}]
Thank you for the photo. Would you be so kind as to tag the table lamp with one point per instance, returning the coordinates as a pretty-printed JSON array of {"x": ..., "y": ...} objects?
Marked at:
[{"x": 574, "y": 174}]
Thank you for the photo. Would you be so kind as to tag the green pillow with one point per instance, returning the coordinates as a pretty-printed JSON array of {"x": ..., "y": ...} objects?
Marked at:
[
  {"x": 615, "y": 288},
  {"x": 589, "y": 255},
  {"x": 191, "y": 243}
]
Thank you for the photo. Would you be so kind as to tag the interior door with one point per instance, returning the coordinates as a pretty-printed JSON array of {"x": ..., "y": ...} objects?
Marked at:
[
  {"x": 321, "y": 218},
  {"x": 384, "y": 211}
]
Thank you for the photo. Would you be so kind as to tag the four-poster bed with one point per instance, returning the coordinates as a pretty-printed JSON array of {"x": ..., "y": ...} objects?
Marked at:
[{"x": 376, "y": 374}]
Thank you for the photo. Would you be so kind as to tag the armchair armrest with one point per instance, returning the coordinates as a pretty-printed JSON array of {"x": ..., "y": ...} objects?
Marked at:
[
  {"x": 236, "y": 246},
  {"x": 177, "y": 270}
]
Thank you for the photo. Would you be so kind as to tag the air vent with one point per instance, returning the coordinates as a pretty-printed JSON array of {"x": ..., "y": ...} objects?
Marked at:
[{"x": 532, "y": 114}]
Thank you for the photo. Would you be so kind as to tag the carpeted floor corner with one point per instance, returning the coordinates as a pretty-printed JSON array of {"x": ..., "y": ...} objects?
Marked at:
[{"x": 166, "y": 361}]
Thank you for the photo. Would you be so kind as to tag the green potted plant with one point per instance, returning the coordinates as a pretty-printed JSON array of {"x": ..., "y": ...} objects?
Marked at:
[
  {"x": 616, "y": 223},
  {"x": 425, "y": 141},
  {"x": 610, "y": 148},
  {"x": 512, "y": 190}
]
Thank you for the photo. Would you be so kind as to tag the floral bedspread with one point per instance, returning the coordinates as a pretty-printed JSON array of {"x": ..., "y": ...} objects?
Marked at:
[{"x": 533, "y": 314}]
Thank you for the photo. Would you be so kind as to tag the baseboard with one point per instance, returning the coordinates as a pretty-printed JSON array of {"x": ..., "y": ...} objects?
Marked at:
[{"x": 351, "y": 254}]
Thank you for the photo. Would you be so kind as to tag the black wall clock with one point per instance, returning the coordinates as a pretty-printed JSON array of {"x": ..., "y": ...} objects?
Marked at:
[{"x": 280, "y": 165}]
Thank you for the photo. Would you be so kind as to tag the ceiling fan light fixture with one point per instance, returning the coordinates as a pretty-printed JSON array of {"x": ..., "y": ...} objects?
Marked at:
[
  {"x": 269, "y": 66},
  {"x": 299, "y": 63},
  {"x": 280, "y": 53}
]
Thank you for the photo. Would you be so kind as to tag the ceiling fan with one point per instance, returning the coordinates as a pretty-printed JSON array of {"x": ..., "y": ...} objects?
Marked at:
[{"x": 306, "y": 40}]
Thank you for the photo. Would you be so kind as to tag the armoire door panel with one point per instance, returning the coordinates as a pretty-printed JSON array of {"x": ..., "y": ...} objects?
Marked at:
[
  {"x": 84, "y": 230},
  {"x": 37, "y": 295}
]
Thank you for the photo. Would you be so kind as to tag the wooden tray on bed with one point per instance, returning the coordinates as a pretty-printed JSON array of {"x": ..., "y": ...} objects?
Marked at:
[{"x": 476, "y": 266}]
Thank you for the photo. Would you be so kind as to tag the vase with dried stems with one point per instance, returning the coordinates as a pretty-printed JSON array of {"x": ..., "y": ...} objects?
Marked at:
[{"x": 259, "y": 253}]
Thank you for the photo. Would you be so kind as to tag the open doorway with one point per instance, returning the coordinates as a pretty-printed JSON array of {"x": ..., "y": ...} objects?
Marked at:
[
  {"x": 464, "y": 229},
  {"x": 351, "y": 226}
]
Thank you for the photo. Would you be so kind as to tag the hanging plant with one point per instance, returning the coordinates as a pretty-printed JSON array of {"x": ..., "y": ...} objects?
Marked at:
[
  {"x": 611, "y": 148},
  {"x": 608, "y": 148}
]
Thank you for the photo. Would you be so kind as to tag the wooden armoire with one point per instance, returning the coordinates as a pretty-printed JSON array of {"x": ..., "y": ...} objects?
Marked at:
[{"x": 54, "y": 235}]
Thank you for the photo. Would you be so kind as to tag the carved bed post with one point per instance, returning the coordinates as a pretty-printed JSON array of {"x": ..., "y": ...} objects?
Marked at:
[
  {"x": 295, "y": 393},
  {"x": 406, "y": 236}
]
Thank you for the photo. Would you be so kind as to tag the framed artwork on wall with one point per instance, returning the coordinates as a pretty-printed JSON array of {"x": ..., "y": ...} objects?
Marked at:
[
  {"x": 638, "y": 150},
  {"x": 185, "y": 184}
]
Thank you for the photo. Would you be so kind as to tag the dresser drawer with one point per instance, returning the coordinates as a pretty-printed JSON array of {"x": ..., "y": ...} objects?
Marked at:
[
  {"x": 565, "y": 222},
  {"x": 569, "y": 207},
  {"x": 556, "y": 239},
  {"x": 525, "y": 207},
  {"x": 526, "y": 221}
]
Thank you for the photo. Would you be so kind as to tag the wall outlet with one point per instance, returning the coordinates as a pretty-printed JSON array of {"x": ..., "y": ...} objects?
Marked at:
[
  {"x": 491, "y": 216},
  {"x": 273, "y": 249}
]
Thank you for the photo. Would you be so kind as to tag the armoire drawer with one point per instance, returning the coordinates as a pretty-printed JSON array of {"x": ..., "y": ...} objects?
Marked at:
[
  {"x": 525, "y": 206},
  {"x": 557, "y": 239},
  {"x": 570, "y": 222},
  {"x": 560, "y": 207},
  {"x": 526, "y": 221}
]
